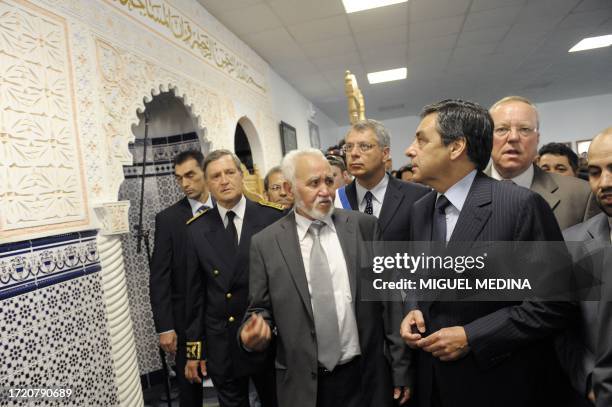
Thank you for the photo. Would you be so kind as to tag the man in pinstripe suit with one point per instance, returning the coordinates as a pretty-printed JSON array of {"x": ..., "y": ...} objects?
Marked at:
[{"x": 486, "y": 353}]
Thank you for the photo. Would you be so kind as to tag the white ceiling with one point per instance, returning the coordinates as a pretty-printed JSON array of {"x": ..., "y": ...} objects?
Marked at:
[{"x": 474, "y": 49}]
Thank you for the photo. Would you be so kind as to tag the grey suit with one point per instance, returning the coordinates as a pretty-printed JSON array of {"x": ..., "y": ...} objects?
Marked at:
[
  {"x": 570, "y": 198},
  {"x": 577, "y": 348},
  {"x": 279, "y": 292}
]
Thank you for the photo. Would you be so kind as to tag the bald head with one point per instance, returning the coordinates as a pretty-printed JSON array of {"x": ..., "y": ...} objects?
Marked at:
[{"x": 600, "y": 169}]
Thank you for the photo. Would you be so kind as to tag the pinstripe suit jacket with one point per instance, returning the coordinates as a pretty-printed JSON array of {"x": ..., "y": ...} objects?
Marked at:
[{"x": 511, "y": 356}]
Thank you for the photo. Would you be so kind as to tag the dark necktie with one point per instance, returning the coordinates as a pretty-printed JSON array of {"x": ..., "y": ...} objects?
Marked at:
[
  {"x": 323, "y": 302},
  {"x": 231, "y": 227},
  {"x": 369, "y": 209},
  {"x": 202, "y": 208},
  {"x": 439, "y": 220}
]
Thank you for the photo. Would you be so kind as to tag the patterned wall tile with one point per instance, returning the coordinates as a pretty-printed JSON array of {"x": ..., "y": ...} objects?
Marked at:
[{"x": 55, "y": 335}]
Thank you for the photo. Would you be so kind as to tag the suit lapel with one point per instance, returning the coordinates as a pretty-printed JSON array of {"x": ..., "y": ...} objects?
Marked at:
[
  {"x": 392, "y": 200},
  {"x": 476, "y": 211},
  {"x": 345, "y": 229},
  {"x": 185, "y": 209},
  {"x": 546, "y": 186},
  {"x": 289, "y": 245},
  {"x": 421, "y": 222},
  {"x": 351, "y": 194}
]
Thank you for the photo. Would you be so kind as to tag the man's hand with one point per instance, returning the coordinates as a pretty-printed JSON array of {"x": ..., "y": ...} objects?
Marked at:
[
  {"x": 191, "y": 370},
  {"x": 256, "y": 333},
  {"x": 591, "y": 396},
  {"x": 167, "y": 341},
  {"x": 447, "y": 344},
  {"x": 401, "y": 394},
  {"x": 412, "y": 320}
]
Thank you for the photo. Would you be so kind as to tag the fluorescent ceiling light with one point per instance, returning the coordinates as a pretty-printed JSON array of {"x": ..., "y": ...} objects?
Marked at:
[
  {"x": 592, "y": 42},
  {"x": 353, "y": 6},
  {"x": 387, "y": 76}
]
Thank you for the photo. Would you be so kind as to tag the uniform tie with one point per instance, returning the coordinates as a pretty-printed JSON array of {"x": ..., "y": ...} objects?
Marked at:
[{"x": 231, "y": 227}]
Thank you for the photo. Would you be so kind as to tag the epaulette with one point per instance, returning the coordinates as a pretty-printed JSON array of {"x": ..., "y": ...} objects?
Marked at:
[
  {"x": 197, "y": 215},
  {"x": 271, "y": 205}
]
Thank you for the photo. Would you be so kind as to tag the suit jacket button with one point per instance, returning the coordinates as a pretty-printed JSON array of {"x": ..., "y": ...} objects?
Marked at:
[
  {"x": 313, "y": 333},
  {"x": 216, "y": 272},
  {"x": 231, "y": 319},
  {"x": 313, "y": 375},
  {"x": 228, "y": 295}
]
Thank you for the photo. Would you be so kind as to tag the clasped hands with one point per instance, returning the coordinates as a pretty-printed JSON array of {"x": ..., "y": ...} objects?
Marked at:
[{"x": 447, "y": 344}]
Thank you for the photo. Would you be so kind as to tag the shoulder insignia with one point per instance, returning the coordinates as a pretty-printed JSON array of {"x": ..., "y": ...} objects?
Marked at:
[
  {"x": 271, "y": 205},
  {"x": 197, "y": 215},
  {"x": 194, "y": 350}
]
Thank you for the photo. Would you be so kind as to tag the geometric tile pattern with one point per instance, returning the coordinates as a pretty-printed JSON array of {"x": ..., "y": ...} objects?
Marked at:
[
  {"x": 161, "y": 191},
  {"x": 55, "y": 335}
]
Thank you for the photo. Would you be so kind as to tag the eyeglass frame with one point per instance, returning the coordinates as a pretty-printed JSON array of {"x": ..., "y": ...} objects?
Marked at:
[{"x": 523, "y": 131}]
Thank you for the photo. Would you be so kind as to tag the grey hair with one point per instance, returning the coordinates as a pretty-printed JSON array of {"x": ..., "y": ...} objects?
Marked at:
[
  {"x": 217, "y": 154},
  {"x": 382, "y": 135},
  {"x": 290, "y": 160},
  {"x": 521, "y": 99}
]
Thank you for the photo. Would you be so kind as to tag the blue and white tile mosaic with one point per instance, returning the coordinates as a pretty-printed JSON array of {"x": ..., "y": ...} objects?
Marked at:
[
  {"x": 161, "y": 191},
  {"x": 53, "y": 327}
]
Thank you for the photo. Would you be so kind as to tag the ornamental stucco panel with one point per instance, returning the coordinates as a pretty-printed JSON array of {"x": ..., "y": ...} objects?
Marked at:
[{"x": 41, "y": 168}]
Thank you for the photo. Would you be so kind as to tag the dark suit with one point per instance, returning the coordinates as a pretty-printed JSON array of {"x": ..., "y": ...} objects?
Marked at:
[
  {"x": 218, "y": 287},
  {"x": 577, "y": 348},
  {"x": 511, "y": 357},
  {"x": 167, "y": 287},
  {"x": 394, "y": 219},
  {"x": 279, "y": 291}
]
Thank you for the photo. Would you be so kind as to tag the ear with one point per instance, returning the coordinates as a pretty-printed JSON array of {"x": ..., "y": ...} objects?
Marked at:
[
  {"x": 457, "y": 148},
  {"x": 386, "y": 154},
  {"x": 287, "y": 187}
]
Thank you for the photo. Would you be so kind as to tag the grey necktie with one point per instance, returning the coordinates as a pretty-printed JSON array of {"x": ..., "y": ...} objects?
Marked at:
[{"x": 323, "y": 302}]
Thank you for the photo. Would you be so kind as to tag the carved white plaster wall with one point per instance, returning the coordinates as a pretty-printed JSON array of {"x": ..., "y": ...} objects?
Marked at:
[{"x": 41, "y": 181}]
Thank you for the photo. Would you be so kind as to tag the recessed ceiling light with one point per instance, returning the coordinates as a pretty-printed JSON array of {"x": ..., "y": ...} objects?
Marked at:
[
  {"x": 353, "y": 6},
  {"x": 387, "y": 76},
  {"x": 592, "y": 42}
]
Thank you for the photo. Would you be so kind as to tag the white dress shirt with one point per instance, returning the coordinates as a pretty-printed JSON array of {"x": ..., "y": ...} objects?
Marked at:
[
  {"x": 238, "y": 209},
  {"x": 456, "y": 195},
  {"x": 378, "y": 193},
  {"x": 349, "y": 337},
  {"x": 195, "y": 205},
  {"x": 525, "y": 179}
]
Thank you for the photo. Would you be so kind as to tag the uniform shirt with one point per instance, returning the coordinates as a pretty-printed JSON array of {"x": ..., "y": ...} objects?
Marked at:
[
  {"x": 238, "y": 209},
  {"x": 378, "y": 193},
  {"x": 195, "y": 205},
  {"x": 349, "y": 337}
]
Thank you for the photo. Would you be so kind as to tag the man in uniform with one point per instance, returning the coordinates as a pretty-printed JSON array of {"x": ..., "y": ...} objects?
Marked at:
[
  {"x": 167, "y": 279},
  {"x": 218, "y": 285}
]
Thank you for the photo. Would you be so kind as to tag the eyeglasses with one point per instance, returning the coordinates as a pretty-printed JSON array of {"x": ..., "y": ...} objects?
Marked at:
[
  {"x": 503, "y": 131},
  {"x": 275, "y": 187},
  {"x": 363, "y": 147}
]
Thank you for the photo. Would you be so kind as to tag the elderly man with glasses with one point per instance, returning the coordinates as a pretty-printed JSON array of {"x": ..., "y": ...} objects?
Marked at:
[{"x": 515, "y": 147}]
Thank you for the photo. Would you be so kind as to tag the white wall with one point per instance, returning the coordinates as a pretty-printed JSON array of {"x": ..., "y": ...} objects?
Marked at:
[
  {"x": 574, "y": 119},
  {"x": 562, "y": 120},
  {"x": 294, "y": 109}
]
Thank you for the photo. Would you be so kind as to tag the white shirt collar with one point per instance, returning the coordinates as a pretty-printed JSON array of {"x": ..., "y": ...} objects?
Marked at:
[
  {"x": 195, "y": 205},
  {"x": 378, "y": 191},
  {"x": 457, "y": 194},
  {"x": 303, "y": 224},
  {"x": 525, "y": 179},
  {"x": 238, "y": 209}
]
